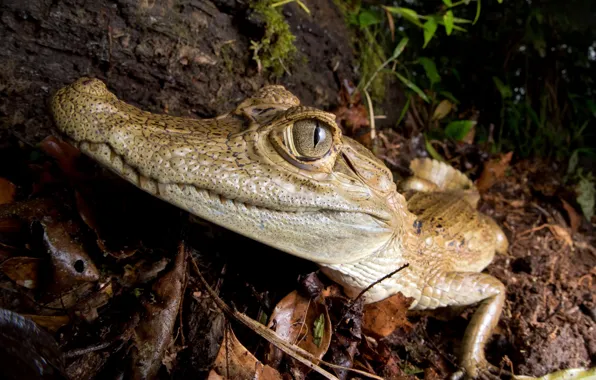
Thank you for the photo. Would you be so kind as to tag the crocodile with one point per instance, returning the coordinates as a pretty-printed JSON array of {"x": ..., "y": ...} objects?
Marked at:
[{"x": 283, "y": 174}]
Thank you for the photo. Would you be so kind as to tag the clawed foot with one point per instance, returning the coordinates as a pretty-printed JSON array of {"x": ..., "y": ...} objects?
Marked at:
[{"x": 481, "y": 371}]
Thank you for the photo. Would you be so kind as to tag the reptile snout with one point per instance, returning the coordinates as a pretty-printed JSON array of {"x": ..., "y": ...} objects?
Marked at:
[{"x": 92, "y": 86}]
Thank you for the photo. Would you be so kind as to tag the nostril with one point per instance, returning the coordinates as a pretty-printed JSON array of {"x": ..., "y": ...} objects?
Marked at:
[
  {"x": 87, "y": 82},
  {"x": 79, "y": 266}
]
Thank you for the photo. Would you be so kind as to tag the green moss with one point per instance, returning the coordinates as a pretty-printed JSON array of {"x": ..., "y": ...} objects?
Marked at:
[
  {"x": 276, "y": 49},
  {"x": 369, "y": 52},
  {"x": 371, "y": 57}
]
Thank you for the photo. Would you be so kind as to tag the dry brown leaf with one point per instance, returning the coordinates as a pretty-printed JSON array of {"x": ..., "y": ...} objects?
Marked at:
[
  {"x": 7, "y": 191},
  {"x": 493, "y": 171},
  {"x": 86, "y": 212},
  {"x": 382, "y": 318},
  {"x": 295, "y": 319},
  {"x": 50, "y": 322},
  {"x": 11, "y": 232},
  {"x": 234, "y": 361},
  {"x": 561, "y": 233},
  {"x": 71, "y": 263},
  {"x": 154, "y": 333},
  {"x": 65, "y": 155},
  {"x": 575, "y": 218},
  {"x": 391, "y": 23},
  {"x": 22, "y": 270}
]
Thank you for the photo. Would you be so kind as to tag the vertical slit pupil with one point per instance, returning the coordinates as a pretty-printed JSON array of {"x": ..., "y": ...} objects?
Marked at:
[{"x": 318, "y": 135}]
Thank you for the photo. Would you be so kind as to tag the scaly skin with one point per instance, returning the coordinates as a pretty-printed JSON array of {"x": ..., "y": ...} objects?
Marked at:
[{"x": 247, "y": 171}]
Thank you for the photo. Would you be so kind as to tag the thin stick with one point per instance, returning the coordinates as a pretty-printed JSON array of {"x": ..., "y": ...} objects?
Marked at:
[
  {"x": 379, "y": 281},
  {"x": 371, "y": 116},
  {"x": 271, "y": 336}
]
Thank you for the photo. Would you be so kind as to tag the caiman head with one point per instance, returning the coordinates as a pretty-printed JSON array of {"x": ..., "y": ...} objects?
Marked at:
[{"x": 272, "y": 170}]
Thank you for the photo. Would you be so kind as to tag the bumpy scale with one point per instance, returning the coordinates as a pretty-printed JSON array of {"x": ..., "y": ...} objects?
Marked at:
[{"x": 284, "y": 175}]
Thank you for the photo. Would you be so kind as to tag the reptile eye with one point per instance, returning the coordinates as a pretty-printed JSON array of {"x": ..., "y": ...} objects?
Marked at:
[{"x": 311, "y": 138}]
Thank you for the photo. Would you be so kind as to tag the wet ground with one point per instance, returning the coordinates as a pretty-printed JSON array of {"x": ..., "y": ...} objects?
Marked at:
[{"x": 193, "y": 59}]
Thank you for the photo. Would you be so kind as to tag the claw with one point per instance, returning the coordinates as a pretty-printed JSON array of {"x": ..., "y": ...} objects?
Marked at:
[{"x": 482, "y": 370}]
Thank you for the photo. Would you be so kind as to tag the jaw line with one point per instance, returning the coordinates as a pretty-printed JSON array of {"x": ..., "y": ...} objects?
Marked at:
[{"x": 156, "y": 188}]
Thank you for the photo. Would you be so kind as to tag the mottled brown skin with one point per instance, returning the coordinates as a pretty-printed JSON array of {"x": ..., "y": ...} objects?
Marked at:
[{"x": 336, "y": 204}]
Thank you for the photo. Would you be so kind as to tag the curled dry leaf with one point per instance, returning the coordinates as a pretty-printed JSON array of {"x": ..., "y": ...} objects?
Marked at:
[
  {"x": 89, "y": 215},
  {"x": 22, "y": 270},
  {"x": 12, "y": 232},
  {"x": 234, "y": 361},
  {"x": 493, "y": 171},
  {"x": 65, "y": 154},
  {"x": 71, "y": 263},
  {"x": 153, "y": 335},
  {"x": 383, "y": 317},
  {"x": 7, "y": 191},
  {"x": 575, "y": 218},
  {"x": 50, "y": 322},
  {"x": 561, "y": 233},
  {"x": 303, "y": 322}
]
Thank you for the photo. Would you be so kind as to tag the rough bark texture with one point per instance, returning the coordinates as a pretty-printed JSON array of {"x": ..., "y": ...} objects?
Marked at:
[{"x": 184, "y": 57}]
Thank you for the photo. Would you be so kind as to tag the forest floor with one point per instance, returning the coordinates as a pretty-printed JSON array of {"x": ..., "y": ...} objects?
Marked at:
[{"x": 130, "y": 304}]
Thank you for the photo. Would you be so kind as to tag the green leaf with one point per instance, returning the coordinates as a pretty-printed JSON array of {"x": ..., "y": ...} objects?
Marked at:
[
  {"x": 448, "y": 20},
  {"x": 449, "y": 96},
  {"x": 457, "y": 130},
  {"x": 319, "y": 329},
  {"x": 591, "y": 106},
  {"x": 430, "y": 27},
  {"x": 404, "y": 111},
  {"x": 407, "y": 13},
  {"x": 448, "y": 3},
  {"x": 412, "y": 87},
  {"x": 399, "y": 48},
  {"x": 367, "y": 18},
  {"x": 433, "y": 153},
  {"x": 503, "y": 89},
  {"x": 459, "y": 20},
  {"x": 430, "y": 69},
  {"x": 478, "y": 6}
]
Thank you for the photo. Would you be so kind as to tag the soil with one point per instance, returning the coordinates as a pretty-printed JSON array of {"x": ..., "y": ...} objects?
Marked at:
[{"x": 192, "y": 58}]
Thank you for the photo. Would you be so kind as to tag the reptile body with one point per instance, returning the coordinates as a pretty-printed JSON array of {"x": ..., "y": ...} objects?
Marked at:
[{"x": 284, "y": 175}]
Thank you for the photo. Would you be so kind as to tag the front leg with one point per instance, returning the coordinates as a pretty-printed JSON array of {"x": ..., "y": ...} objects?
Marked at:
[{"x": 464, "y": 288}]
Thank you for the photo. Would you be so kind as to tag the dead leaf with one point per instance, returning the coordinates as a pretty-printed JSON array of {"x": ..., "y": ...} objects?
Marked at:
[
  {"x": 311, "y": 285},
  {"x": 575, "y": 219},
  {"x": 70, "y": 261},
  {"x": 294, "y": 319},
  {"x": 493, "y": 171},
  {"x": 22, "y": 270},
  {"x": 391, "y": 23},
  {"x": 561, "y": 233},
  {"x": 443, "y": 109},
  {"x": 7, "y": 191},
  {"x": 234, "y": 361},
  {"x": 383, "y": 317},
  {"x": 65, "y": 154},
  {"x": 71, "y": 298},
  {"x": 85, "y": 211},
  {"x": 153, "y": 335},
  {"x": 12, "y": 232},
  {"x": 50, "y": 322}
]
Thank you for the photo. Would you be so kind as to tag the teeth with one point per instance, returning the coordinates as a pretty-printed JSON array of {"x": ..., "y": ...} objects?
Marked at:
[
  {"x": 106, "y": 155},
  {"x": 147, "y": 184}
]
